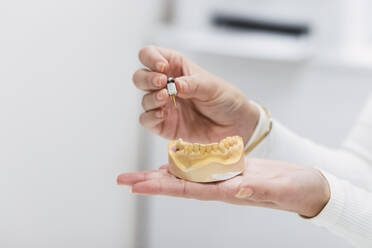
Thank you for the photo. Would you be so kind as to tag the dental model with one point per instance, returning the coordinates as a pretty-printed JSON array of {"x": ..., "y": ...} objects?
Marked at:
[{"x": 206, "y": 163}]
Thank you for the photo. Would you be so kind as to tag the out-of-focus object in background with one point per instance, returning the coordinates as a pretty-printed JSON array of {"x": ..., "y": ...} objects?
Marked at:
[
  {"x": 283, "y": 30},
  {"x": 261, "y": 29}
]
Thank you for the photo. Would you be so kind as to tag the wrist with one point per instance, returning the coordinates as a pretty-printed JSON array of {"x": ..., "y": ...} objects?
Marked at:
[
  {"x": 321, "y": 197},
  {"x": 325, "y": 194}
]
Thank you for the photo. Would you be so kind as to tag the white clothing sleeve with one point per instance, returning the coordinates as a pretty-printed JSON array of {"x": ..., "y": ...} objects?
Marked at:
[
  {"x": 348, "y": 171},
  {"x": 348, "y": 212}
]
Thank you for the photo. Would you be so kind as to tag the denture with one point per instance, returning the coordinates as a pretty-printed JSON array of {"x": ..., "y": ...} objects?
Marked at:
[{"x": 206, "y": 162}]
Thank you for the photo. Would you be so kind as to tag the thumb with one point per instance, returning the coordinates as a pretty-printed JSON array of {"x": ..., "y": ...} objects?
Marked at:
[{"x": 196, "y": 86}]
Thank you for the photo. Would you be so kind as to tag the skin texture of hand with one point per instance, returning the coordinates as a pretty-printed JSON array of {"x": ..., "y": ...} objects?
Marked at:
[
  {"x": 272, "y": 184},
  {"x": 209, "y": 108}
]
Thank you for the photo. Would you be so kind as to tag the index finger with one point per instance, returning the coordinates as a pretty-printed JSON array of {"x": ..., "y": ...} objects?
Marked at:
[
  {"x": 151, "y": 57},
  {"x": 172, "y": 186},
  {"x": 132, "y": 178}
]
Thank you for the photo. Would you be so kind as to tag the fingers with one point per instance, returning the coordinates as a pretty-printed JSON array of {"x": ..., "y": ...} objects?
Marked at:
[
  {"x": 160, "y": 182},
  {"x": 136, "y": 177},
  {"x": 152, "y": 58},
  {"x": 172, "y": 186},
  {"x": 154, "y": 100},
  {"x": 152, "y": 119},
  {"x": 147, "y": 80},
  {"x": 197, "y": 87}
]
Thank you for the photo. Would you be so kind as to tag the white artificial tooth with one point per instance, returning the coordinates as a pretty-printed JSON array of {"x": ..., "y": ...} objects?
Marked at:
[{"x": 178, "y": 144}]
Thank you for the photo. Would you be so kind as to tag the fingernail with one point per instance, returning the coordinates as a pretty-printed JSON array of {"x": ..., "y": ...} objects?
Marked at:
[
  {"x": 244, "y": 193},
  {"x": 161, "y": 66},
  {"x": 159, "y": 81}
]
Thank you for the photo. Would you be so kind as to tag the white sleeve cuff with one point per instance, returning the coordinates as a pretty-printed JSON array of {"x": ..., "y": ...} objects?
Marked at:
[
  {"x": 262, "y": 125},
  {"x": 261, "y": 128},
  {"x": 335, "y": 206},
  {"x": 348, "y": 212}
]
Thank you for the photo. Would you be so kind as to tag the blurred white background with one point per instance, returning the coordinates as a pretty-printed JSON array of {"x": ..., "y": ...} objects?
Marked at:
[
  {"x": 68, "y": 118},
  {"x": 68, "y": 113}
]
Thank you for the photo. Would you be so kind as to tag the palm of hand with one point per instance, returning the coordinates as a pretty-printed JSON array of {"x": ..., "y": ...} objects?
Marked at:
[{"x": 271, "y": 184}]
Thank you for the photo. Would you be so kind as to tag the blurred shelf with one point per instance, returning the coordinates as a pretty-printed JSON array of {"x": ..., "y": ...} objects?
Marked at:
[{"x": 236, "y": 44}]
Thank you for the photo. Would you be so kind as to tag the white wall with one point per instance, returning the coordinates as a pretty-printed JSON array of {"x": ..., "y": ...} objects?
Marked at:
[{"x": 68, "y": 120}]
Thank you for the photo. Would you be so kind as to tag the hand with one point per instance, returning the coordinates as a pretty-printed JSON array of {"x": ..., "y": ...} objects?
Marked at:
[
  {"x": 264, "y": 183},
  {"x": 209, "y": 108}
]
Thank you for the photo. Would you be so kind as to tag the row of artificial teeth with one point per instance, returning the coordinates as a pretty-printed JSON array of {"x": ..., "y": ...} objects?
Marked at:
[{"x": 223, "y": 146}]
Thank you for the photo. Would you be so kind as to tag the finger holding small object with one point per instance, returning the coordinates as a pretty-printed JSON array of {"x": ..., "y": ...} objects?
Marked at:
[
  {"x": 155, "y": 99},
  {"x": 151, "y": 57},
  {"x": 147, "y": 80}
]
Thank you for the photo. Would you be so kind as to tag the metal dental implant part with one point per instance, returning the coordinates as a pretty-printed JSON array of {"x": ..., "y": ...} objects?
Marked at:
[{"x": 172, "y": 90}]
